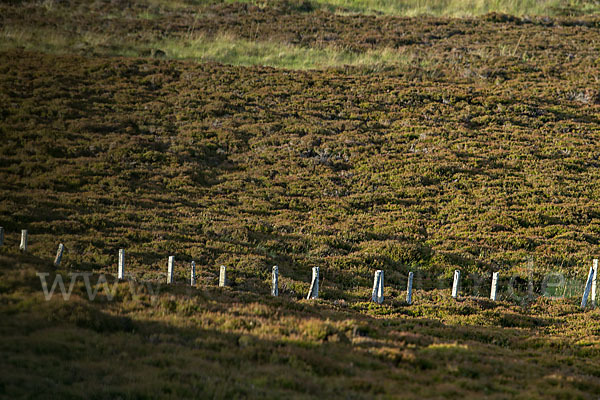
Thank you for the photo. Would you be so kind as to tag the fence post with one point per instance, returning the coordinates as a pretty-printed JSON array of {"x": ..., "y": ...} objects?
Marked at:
[
  {"x": 121, "y": 268},
  {"x": 1, "y": 236},
  {"x": 193, "y": 274},
  {"x": 455, "y": 284},
  {"x": 377, "y": 295},
  {"x": 409, "y": 288},
  {"x": 595, "y": 266},
  {"x": 494, "y": 286},
  {"x": 375, "y": 286},
  {"x": 588, "y": 287},
  {"x": 275, "y": 283},
  {"x": 23, "y": 245},
  {"x": 170, "y": 269},
  {"x": 223, "y": 276},
  {"x": 313, "y": 292},
  {"x": 59, "y": 253}
]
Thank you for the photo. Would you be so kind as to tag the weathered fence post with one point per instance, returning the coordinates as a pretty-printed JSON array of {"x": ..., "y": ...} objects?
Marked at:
[
  {"x": 455, "y": 284},
  {"x": 275, "y": 282},
  {"x": 494, "y": 286},
  {"x": 59, "y": 253},
  {"x": 409, "y": 288},
  {"x": 170, "y": 269},
  {"x": 193, "y": 274},
  {"x": 313, "y": 292},
  {"x": 595, "y": 266},
  {"x": 23, "y": 245},
  {"x": 377, "y": 295},
  {"x": 223, "y": 276},
  {"x": 121, "y": 267},
  {"x": 588, "y": 287},
  {"x": 1, "y": 236}
]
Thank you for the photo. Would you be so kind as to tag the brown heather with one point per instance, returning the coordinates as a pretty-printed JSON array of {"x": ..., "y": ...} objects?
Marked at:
[{"x": 407, "y": 144}]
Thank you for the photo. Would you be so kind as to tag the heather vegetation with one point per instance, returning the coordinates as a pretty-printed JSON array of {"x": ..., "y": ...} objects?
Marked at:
[{"x": 300, "y": 134}]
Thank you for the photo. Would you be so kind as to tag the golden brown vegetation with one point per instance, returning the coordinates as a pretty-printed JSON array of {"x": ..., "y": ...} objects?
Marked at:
[{"x": 473, "y": 146}]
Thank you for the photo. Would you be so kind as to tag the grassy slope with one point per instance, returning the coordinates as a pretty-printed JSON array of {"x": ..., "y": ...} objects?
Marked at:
[
  {"x": 461, "y": 8},
  {"x": 411, "y": 8},
  {"x": 478, "y": 153},
  {"x": 251, "y": 167},
  {"x": 285, "y": 35},
  {"x": 220, "y": 343}
]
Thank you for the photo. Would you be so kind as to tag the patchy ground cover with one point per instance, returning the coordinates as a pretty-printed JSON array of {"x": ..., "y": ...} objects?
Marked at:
[
  {"x": 214, "y": 342},
  {"x": 447, "y": 143},
  {"x": 255, "y": 167},
  {"x": 287, "y": 29}
]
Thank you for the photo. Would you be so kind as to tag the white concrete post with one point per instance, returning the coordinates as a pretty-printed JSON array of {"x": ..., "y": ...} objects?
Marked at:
[
  {"x": 455, "y": 284},
  {"x": 409, "y": 288},
  {"x": 313, "y": 292},
  {"x": 377, "y": 295},
  {"x": 375, "y": 286},
  {"x": 193, "y": 274},
  {"x": 121, "y": 267},
  {"x": 59, "y": 253},
  {"x": 493, "y": 294},
  {"x": 588, "y": 287},
  {"x": 380, "y": 290},
  {"x": 595, "y": 265},
  {"x": 275, "y": 283},
  {"x": 23, "y": 245},
  {"x": 1, "y": 236},
  {"x": 170, "y": 269},
  {"x": 223, "y": 276}
]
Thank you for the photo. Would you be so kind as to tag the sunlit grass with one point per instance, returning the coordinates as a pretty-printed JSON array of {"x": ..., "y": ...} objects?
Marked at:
[
  {"x": 409, "y": 8},
  {"x": 227, "y": 49},
  {"x": 461, "y": 8},
  {"x": 224, "y": 48}
]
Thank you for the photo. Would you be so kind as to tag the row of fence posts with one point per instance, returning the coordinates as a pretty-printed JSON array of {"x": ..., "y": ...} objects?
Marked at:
[
  {"x": 171, "y": 268},
  {"x": 313, "y": 293},
  {"x": 589, "y": 291}
]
